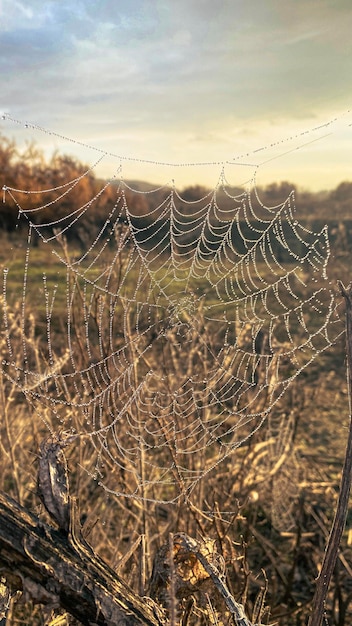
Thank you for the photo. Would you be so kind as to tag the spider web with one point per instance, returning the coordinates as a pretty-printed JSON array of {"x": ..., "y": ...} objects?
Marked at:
[{"x": 184, "y": 326}]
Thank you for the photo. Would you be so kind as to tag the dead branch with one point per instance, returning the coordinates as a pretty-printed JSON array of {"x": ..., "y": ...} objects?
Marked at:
[
  {"x": 62, "y": 570},
  {"x": 189, "y": 569},
  {"x": 339, "y": 522}
]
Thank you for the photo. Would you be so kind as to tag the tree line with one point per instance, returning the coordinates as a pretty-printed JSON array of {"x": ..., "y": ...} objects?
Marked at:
[{"x": 95, "y": 199}]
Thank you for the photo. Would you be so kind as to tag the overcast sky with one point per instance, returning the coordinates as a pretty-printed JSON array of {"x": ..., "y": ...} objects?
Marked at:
[{"x": 184, "y": 81}]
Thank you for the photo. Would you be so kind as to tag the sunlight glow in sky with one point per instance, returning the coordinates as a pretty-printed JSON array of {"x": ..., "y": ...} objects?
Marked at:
[{"x": 192, "y": 81}]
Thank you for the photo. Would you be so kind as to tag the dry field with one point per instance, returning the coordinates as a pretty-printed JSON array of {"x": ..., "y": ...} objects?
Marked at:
[{"x": 269, "y": 505}]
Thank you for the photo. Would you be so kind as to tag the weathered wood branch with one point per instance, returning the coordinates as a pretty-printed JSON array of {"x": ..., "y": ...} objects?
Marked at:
[
  {"x": 187, "y": 578},
  {"x": 235, "y": 608},
  {"x": 62, "y": 570}
]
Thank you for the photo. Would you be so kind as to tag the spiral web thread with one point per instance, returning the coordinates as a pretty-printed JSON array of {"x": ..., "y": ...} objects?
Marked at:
[{"x": 184, "y": 327}]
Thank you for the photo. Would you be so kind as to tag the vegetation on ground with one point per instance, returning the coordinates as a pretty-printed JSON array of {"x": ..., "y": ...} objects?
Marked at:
[{"x": 269, "y": 508}]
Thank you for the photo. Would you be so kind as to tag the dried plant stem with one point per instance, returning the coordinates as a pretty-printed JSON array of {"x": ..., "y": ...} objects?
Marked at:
[
  {"x": 172, "y": 608},
  {"x": 6, "y": 404},
  {"x": 145, "y": 568},
  {"x": 331, "y": 552}
]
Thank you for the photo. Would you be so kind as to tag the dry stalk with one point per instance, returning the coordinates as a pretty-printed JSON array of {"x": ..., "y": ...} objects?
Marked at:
[{"x": 332, "y": 548}]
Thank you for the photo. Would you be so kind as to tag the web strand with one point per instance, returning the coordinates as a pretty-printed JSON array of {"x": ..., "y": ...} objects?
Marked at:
[{"x": 186, "y": 323}]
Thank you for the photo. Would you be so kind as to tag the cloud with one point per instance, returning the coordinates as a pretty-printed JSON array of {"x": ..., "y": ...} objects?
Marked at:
[
  {"x": 15, "y": 12},
  {"x": 194, "y": 72}
]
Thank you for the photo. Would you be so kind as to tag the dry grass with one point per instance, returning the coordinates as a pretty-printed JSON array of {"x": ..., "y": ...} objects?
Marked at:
[{"x": 268, "y": 506}]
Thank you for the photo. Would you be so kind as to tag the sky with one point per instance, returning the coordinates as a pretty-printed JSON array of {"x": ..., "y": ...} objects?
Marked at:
[{"x": 157, "y": 87}]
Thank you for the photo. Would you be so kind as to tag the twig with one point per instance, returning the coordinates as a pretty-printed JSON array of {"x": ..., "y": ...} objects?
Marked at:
[
  {"x": 331, "y": 552},
  {"x": 237, "y": 609},
  {"x": 172, "y": 611}
]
